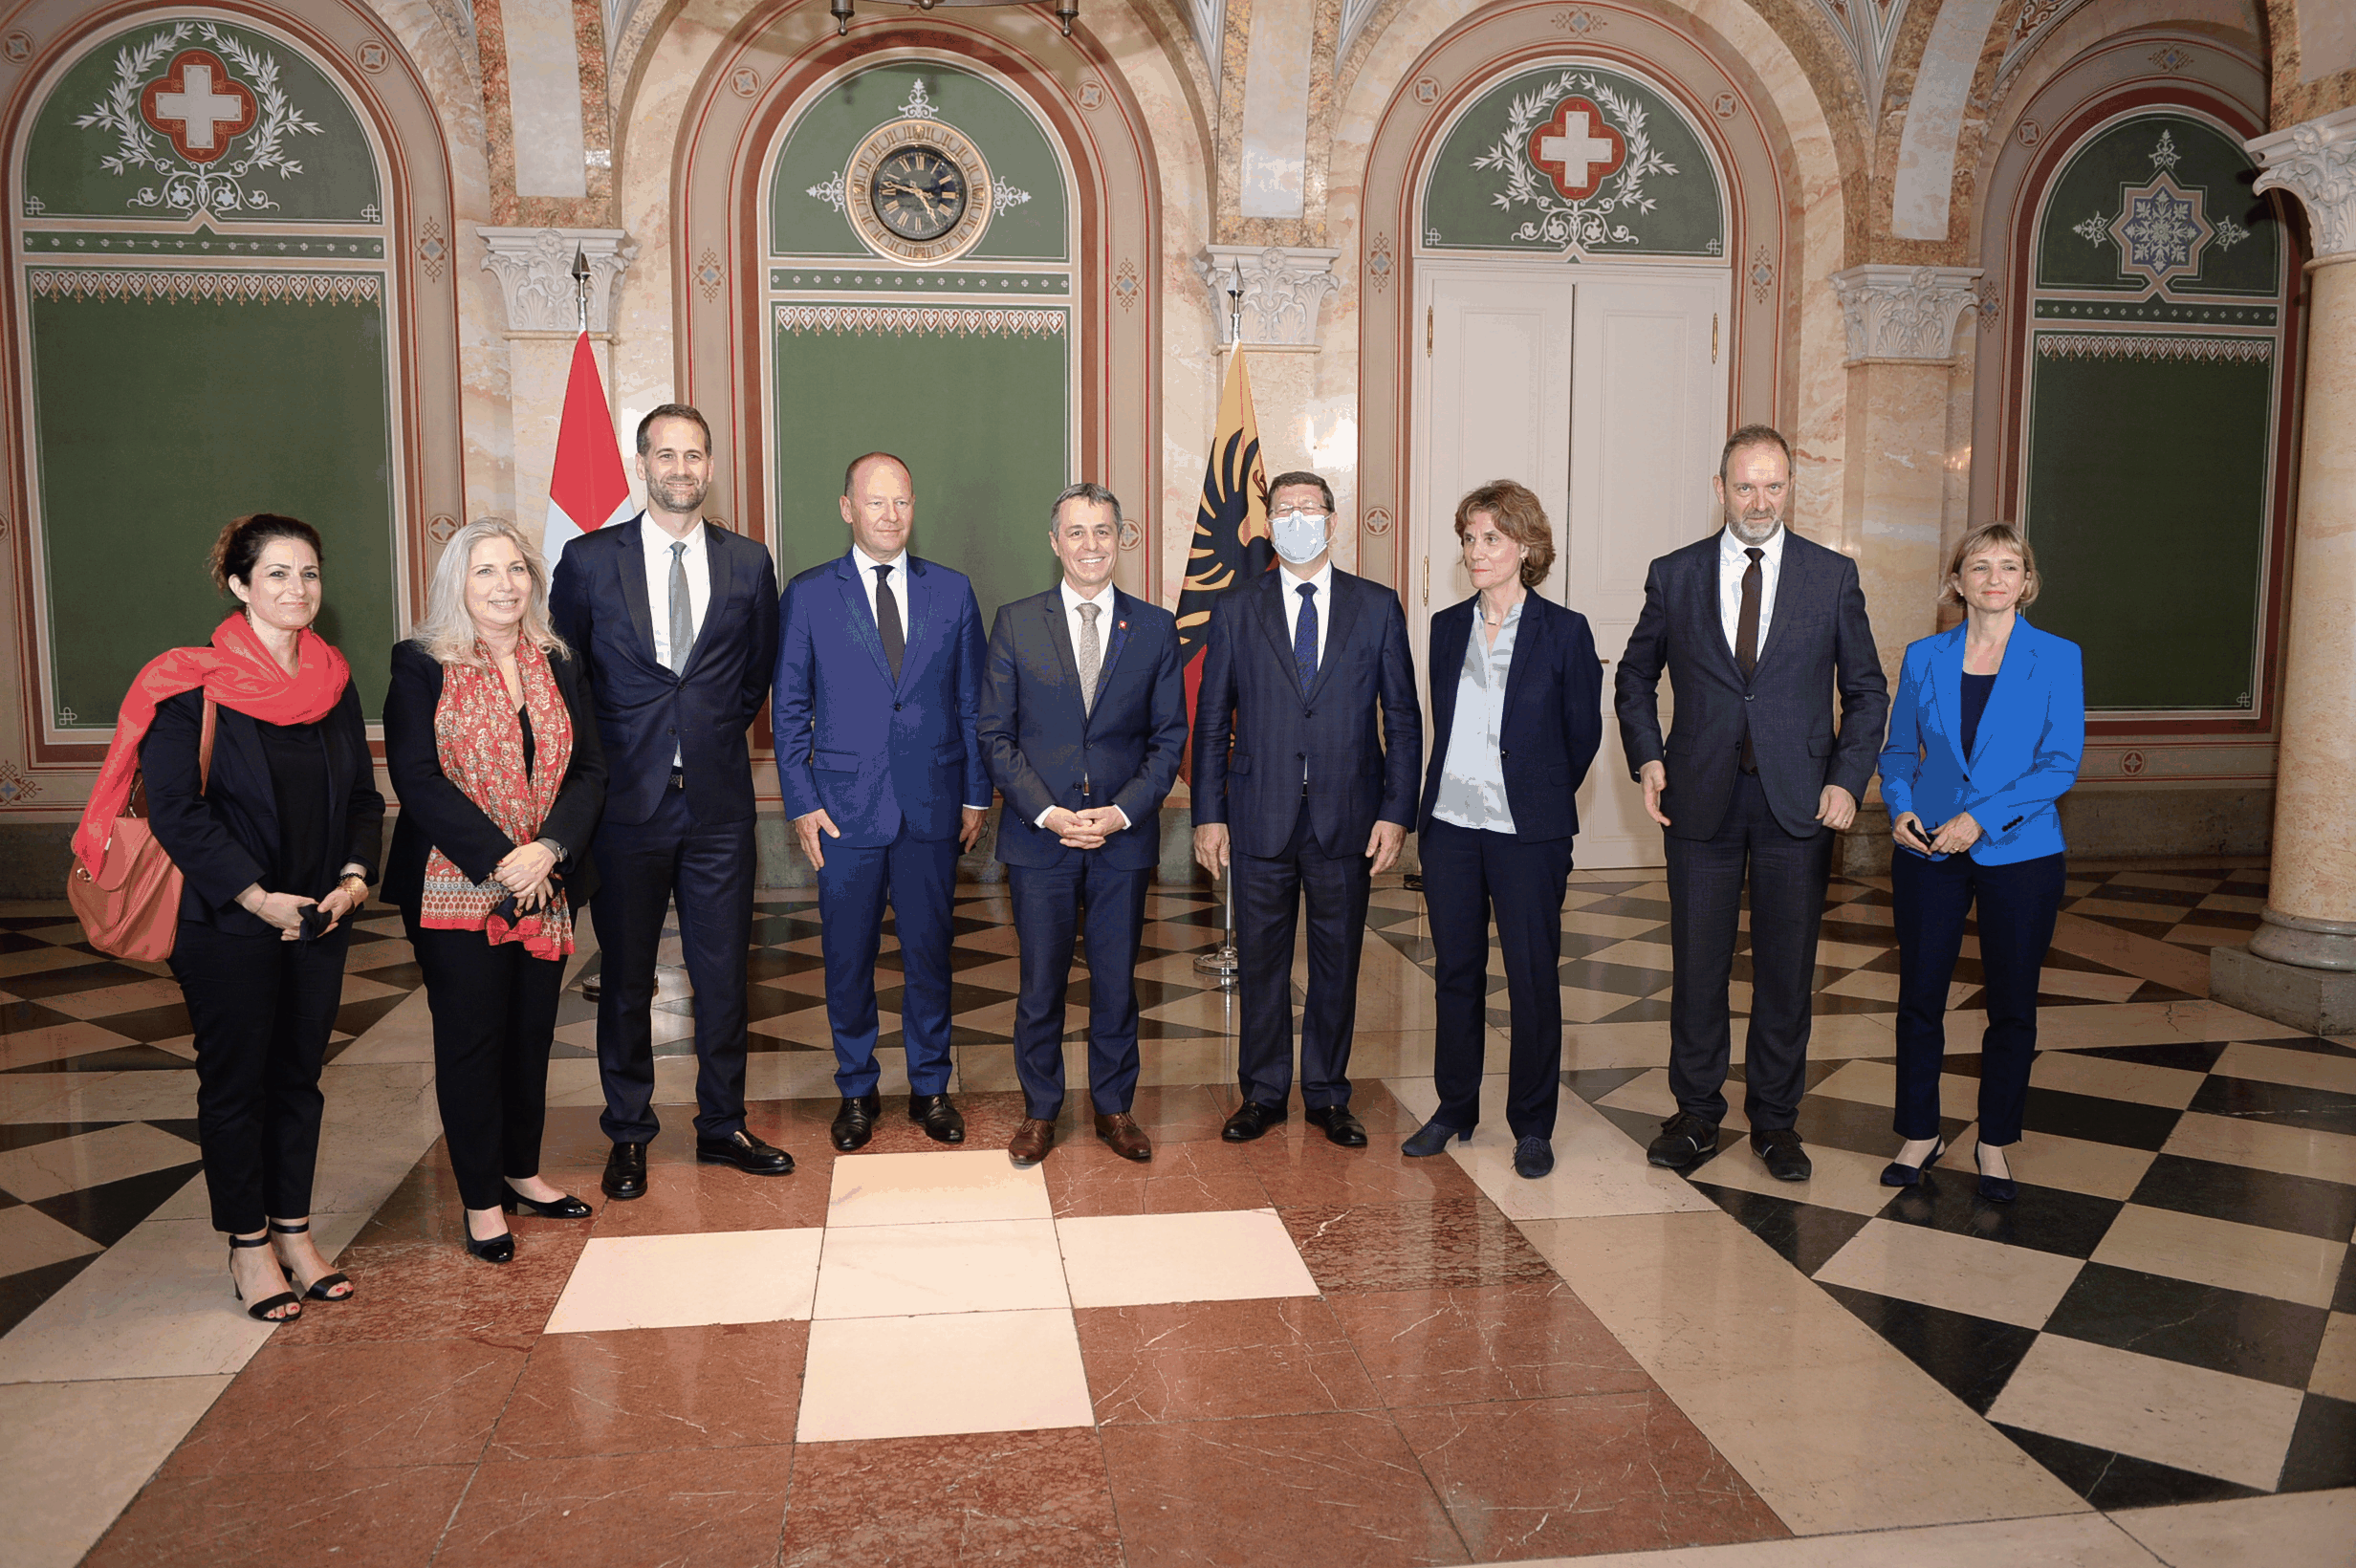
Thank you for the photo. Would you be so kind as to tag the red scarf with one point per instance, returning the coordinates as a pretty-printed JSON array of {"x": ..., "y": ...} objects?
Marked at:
[
  {"x": 481, "y": 748},
  {"x": 238, "y": 672}
]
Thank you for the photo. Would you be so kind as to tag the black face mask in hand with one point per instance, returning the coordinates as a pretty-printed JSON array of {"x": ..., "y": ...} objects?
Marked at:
[{"x": 506, "y": 912}]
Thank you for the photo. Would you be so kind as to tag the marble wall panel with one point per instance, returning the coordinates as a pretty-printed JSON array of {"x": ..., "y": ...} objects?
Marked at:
[{"x": 1896, "y": 491}]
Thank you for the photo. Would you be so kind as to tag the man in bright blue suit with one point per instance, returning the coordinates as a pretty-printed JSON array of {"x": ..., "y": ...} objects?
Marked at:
[
  {"x": 876, "y": 699},
  {"x": 1083, "y": 721}
]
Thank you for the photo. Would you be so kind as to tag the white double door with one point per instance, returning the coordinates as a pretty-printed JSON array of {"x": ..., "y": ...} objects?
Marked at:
[{"x": 1604, "y": 390}]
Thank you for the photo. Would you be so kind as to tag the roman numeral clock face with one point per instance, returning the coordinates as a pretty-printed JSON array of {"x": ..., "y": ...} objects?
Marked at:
[{"x": 920, "y": 192}]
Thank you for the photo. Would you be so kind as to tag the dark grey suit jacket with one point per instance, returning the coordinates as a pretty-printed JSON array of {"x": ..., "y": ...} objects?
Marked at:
[{"x": 1817, "y": 638}]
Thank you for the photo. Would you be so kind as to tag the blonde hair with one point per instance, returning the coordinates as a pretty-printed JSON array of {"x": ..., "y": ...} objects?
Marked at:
[
  {"x": 1992, "y": 536},
  {"x": 448, "y": 632}
]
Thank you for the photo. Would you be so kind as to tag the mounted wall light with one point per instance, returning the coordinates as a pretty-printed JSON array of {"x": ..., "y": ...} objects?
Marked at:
[{"x": 1067, "y": 12}]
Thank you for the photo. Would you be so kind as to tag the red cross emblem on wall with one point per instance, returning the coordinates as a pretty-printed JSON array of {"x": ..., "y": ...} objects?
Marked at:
[
  {"x": 1576, "y": 149},
  {"x": 198, "y": 104}
]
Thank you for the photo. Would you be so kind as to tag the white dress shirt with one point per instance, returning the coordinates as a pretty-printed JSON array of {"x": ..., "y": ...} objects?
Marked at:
[
  {"x": 657, "y": 542},
  {"x": 1072, "y": 601},
  {"x": 1323, "y": 583},
  {"x": 1733, "y": 563},
  {"x": 903, "y": 591}
]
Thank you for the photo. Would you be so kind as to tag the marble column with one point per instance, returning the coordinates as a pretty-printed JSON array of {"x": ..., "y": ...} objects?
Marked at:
[
  {"x": 1900, "y": 324},
  {"x": 2299, "y": 968},
  {"x": 535, "y": 270}
]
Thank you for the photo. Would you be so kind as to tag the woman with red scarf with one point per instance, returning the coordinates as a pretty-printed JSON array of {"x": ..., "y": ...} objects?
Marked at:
[
  {"x": 492, "y": 746},
  {"x": 276, "y": 849}
]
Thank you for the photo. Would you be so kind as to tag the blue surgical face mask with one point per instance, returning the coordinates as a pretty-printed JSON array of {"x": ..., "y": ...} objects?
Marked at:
[{"x": 1299, "y": 537}]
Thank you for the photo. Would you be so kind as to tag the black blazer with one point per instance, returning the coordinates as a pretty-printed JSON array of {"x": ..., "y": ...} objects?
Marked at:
[
  {"x": 599, "y": 604},
  {"x": 1553, "y": 714},
  {"x": 1819, "y": 637},
  {"x": 1039, "y": 741},
  {"x": 224, "y": 837},
  {"x": 1250, "y": 695},
  {"x": 436, "y": 814}
]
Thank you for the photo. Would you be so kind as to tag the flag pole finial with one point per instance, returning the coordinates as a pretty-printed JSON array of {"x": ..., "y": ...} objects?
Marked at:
[{"x": 580, "y": 287}]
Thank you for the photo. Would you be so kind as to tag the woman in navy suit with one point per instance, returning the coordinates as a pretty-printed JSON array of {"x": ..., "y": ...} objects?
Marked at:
[
  {"x": 1984, "y": 740},
  {"x": 1517, "y": 714}
]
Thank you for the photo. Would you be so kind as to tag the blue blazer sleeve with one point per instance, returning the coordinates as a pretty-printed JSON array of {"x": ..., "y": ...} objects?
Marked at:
[
  {"x": 1901, "y": 757},
  {"x": 791, "y": 705},
  {"x": 2061, "y": 721}
]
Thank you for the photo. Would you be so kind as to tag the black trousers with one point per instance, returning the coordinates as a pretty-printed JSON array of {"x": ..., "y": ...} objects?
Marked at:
[
  {"x": 2017, "y": 906},
  {"x": 494, "y": 1017},
  {"x": 640, "y": 866},
  {"x": 263, "y": 1009},
  {"x": 1706, "y": 877},
  {"x": 1268, "y": 890},
  {"x": 1467, "y": 874},
  {"x": 1050, "y": 904}
]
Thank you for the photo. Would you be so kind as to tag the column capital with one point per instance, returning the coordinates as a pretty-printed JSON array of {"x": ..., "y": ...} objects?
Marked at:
[
  {"x": 1907, "y": 313},
  {"x": 2315, "y": 162},
  {"x": 535, "y": 270},
  {"x": 1284, "y": 287}
]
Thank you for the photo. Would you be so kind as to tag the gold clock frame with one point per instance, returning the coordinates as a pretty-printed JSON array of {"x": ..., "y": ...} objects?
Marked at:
[{"x": 859, "y": 191}]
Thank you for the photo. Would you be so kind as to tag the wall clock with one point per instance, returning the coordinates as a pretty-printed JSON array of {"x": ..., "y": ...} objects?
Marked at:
[{"x": 918, "y": 191}]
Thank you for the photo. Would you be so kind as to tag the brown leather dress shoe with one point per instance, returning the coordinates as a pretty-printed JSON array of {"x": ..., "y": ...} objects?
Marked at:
[
  {"x": 1031, "y": 1142},
  {"x": 1127, "y": 1139}
]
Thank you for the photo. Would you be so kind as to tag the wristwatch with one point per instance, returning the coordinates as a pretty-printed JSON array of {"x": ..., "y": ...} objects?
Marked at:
[{"x": 354, "y": 880}]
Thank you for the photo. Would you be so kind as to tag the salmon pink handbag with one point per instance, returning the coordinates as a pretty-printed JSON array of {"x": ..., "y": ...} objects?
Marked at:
[{"x": 131, "y": 908}]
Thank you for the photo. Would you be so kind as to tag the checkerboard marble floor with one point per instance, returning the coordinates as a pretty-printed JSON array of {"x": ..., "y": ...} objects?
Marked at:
[{"x": 1279, "y": 1351}]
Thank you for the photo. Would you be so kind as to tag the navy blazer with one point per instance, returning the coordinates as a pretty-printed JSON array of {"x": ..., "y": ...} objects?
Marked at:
[
  {"x": 2025, "y": 757},
  {"x": 1819, "y": 637},
  {"x": 435, "y": 813},
  {"x": 646, "y": 714},
  {"x": 223, "y": 836},
  {"x": 1249, "y": 696},
  {"x": 1041, "y": 743},
  {"x": 873, "y": 753},
  {"x": 1553, "y": 714}
]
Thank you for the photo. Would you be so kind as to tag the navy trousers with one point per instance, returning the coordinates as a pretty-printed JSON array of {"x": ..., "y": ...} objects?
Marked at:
[
  {"x": 2017, "y": 906},
  {"x": 1050, "y": 904},
  {"x": 1467, "y": 874},
  {"x": 1268, "y": 890},
  {"x": 709, "y": 866},
  {"x": 918, "y": 877}
]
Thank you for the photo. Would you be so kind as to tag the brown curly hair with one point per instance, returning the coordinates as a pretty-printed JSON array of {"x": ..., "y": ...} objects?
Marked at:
[
  {"x": 240, "y": 545},
  {"x": 1521, "y": 516}
]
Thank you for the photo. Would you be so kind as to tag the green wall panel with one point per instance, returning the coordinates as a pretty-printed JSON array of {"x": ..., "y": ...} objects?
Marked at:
[
  {"x": 981, "y": 419},
  {"x": 156, "y": 423},
  {"x": 2243, "y": 252},
  {"x": 2147, "y": 504}
]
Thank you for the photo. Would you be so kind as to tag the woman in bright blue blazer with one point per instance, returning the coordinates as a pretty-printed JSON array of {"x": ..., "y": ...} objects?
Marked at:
[{"x": 1984, "y": 739}]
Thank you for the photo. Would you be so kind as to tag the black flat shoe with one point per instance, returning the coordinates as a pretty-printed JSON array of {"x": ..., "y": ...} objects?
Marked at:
[
  {"x": 1779, "y": 1151},
  {"x": 1431, "y": 1139},
  {"x": 1685, "y": 1138},
  {"x": 1340, "y": 1126},
  {"x": 1898, "y": 1174},
  {"x": 261, "y": 1311},
  {"x": 1250, "y": 1119},
  {"x": 855, "y": 1121},
  {"x": 323, "y": 1288},
  {"x": 938, "y": 1118},
  {"x": 625, "y": 1172},
  {"x": 1994, "y": 1188},
  {"x": 499, "y": 1249},
  {"x": 563, "y": 1208},
  {"x": 1533, "y": 1156}
]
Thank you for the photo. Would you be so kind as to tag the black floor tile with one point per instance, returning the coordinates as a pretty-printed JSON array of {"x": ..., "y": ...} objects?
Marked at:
[
  {"x": 1973, "y": 1357},
  {"x": 2098, "y": 1119},
  {"x": 1593, "y": 1083},
  {"x": 43, "y": 983},
  {"x": 1803, "y": 1234},
  {"x": 168, "y": 1022},
  {"x": 24, "y": 1135},
  {"x": 2322, "y": 1452},
  {"x": 2344, "y": 1299},
  {"x": 2249, "y": 1197},
  {"x": 2046, "y": 1219},
  {"x": 1628, "y": 907},
  {"x": 20, "y": 1294},
  {"x": 105, "y": 1214},
  {"x": 2282, "y": 1104},
  {"x": 360, "y": 1016},
  {"x": 773, "y": 963},
  {"x": 1578, "y": 944},
  {"x": 1855, "y": 1125},
  {"x": 775, "y": 929},
  {"x": 1652, "y": 1011},
  {"x": 1851, "y": 1004},
  {"x": 2254, "y": 1337},
  {"x": 407, "y": 976},
  {"x": 2120, "y": 1480},
  {"x": 770, "y": 1002},
  {"x": 1619, "y": 979},
  {"x": 2184, "y": 1056},
  {"x": 22, "y": 1017}
]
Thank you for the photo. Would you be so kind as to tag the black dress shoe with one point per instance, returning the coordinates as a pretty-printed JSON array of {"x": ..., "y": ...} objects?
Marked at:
[
  {"x": 938, "y": 1116},
  {"x": 501, "y": 1248},
  {"x": 565, "y": 1206},
  {"x": 1250, "y": 1119},
  {"x": 1532, "y": 1158},
  {"x": 746, "y": 1152},
  {"x": 1685, "y": 1138},
  {"x": 855, "y": 1121},
  {"x": 1778, "y": 1148},
  {"x": 1340, "y": 1126},
  {"x": 625, "y": 1172}
]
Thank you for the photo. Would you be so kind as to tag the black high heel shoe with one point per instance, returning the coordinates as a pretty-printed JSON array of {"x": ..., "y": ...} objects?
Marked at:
[
  {"x": 261, "y": 1311},
  {"x": 1898, "y": 1174},
  {"x": 564, "y": 1207},
  {"x": 323, "y": 1288},
  {"x": 499, "y": 1249},
  {"x": 1431, "y": 1138},
  {"x": 1994, "y": 1188}
]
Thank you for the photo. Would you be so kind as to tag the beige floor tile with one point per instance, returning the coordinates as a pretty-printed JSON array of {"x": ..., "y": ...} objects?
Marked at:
[
  {"x": 68, "y": 1164},
  {"x": 2131, "y": 951},
  {"x": 1847, "y": 954},
  {"x": 405, "y": 1034},
  {"x": 2073, "y": 1541},
  {"x": 1866, "y": 914},
  {"x": 2076, "y": 1165},
  {"x": 1597, "y": 1170},
  {"x": 2103, "y": 1078},
  {"x": 932, "y": 1187},
  {"x": 729, "y": 1276},
  {"x": 1647, "y": 1094},
  {"x": 74, "y": 1454},
  {"x": 2127, "y": 909},
  {"x": 2297, "y": 1530},
  {"x": 2274, "y": 1064},
  {"x": 2212, "y": 1252},
  {"x": 1875, "y": 987},
  {"x": 30, "y": 1097},
  {"x": 131, "y": 996},
  {"x": 1876, "y": 1083},
  {"x": 2126, "y": 1023},
  {"x": 1962, "y": 1274},
  {"x": 55, "y": 1042},
  {"x": 2291, "y": 1151},
  {"x": 2087, "y": 983},
  {"x": 1608, "y": 1045},
  {"x": 44, "y": 960},
  {"x": 1642, "y": 955},
  {"x": 1395, "y": 1053},
  {"x": 899, "y": 1271},
  {"x": 2187, "y": 1416},
  {"x": 1840, "y": 1035},
  {"x": 1620, "y": 926},
  {"x": 880, "y": 1377},
  {"x": 2335, "y": 1361},
  {"x": 1843, "y": 1179},
  {"x": 2234, "y": 904},
  {"x": 1135, "y": 1260},
  {"x": 30, "y": 1239},
  {"x": 128, "y": 1097},
  {"x": 1830, "y": 1425},
  {"x": 1187, "y": 1061},
  {"x": 1581, "y": 1006}
]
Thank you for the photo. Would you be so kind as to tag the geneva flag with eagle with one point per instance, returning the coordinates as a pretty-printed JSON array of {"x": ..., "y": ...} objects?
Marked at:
[{"x": 1230, "y": 524}]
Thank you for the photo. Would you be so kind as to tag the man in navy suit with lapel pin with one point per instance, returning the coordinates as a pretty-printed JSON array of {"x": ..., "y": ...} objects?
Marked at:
[
  {"x": 676, "y": 622},
  {"x": 1083, "y": 722},
  {"x": 876, "y": 697},
  {"x": 1756, "y": 628},
  {"x": 1300, "y": 669}
]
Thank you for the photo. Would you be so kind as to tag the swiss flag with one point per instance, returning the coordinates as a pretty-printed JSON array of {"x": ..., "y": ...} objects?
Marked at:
[{"x": 588, "y": 488}]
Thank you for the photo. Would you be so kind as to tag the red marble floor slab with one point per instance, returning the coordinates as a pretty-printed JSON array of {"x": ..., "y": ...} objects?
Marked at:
[
  {"x": 991, "y": 1120},
  {"x": 1009, "y": 1500},
  {"x": 571, "y": 1136},
  {"x": 1563, "y": 1477},
  {"x": 655, "y": 1390},
  {"x": 421, "y": 1205},
  {"x": 1086, "y": 1179},
  {"x": 1380, "y": 1110},
  {"x": 716, "y": 1508},
  {"x": 1203, "y": 1360},
  {"x": 1441, "y": 1244},
  {"x": 1530, "y": 1341},
  {"x": 1297, "y": 1164},
  {"x": 1174, "y": 1113},
  {"x": 1340, "y": 1488},
  {"x": 360, "y": 1407},
  {"x": 435, "y": 1290},
  {"x": 682, "y": 1200},
  {"x": 353, "y": 1518}
]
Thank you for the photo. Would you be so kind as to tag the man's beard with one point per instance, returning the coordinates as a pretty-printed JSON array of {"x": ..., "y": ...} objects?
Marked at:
[
  {"x": 1751, "y": 531},
  {"x": 677, "y": 503}
]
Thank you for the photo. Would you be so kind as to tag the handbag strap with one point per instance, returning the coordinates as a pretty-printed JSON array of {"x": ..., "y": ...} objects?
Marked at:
[{"x": 204, "y": 746}]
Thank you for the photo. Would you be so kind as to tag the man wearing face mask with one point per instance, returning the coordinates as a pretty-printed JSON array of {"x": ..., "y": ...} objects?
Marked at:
[
  {"x": 1306, "y": 673},
  {"x": 1755, "y": 628}
]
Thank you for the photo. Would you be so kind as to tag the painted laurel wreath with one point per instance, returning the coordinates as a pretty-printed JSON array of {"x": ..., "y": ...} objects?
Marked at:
[
  {"x": 183, "y": 187},
  {"x": 1589, "y": 224}
]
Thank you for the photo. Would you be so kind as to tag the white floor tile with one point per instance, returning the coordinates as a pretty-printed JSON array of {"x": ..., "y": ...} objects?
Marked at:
[
  {"x": 2297, "y": 1530},
  {"x": 928, "y": 1375},
  {"x": 724, "y": 1276},
  {"x": 72, "y": 1454},
  {"x": 897, "y": 1271},
  {"x": 2211, "y": 1423},
  {"x": 1135, "y": 1260},
  {"x": 931, "y": 1189}
]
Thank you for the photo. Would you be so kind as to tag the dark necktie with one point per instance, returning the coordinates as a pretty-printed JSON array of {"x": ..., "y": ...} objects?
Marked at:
[
  {"x": 1304, "y": 636},
  {"x": 1746, "y": 644},
  {"x": 888, "y": 621}
]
